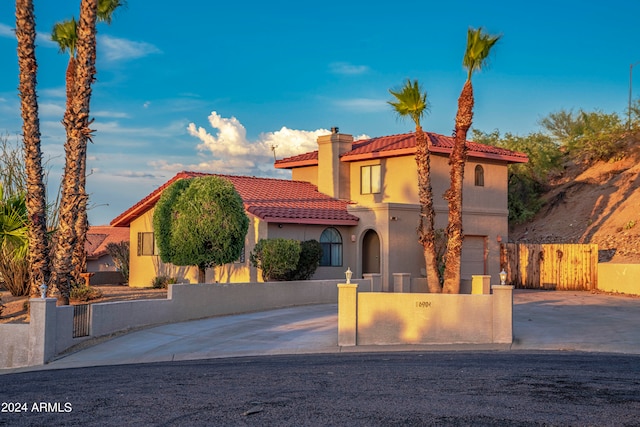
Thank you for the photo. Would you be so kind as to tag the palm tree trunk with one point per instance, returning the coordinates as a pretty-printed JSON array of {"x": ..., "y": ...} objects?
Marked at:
[
  {"x": 453, "y": 195},
  {"x": 426, "y": 231},
  {"x": 36, "y": 192},
  {"x": 76, "y": 122}
]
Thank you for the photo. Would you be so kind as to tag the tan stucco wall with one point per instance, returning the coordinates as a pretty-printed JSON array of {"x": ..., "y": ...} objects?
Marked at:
[
  {"x": 307, "y": 174},
  {"x": 403, "y": 318},
  {"x": 621, "y": 278}
]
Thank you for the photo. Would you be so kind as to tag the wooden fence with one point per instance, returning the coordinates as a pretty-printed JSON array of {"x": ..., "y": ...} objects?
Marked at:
[{"x": 550, "y": 266}]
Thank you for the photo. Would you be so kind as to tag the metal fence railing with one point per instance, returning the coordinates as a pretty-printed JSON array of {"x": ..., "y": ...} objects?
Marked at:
[{"x": 81, "y": 320}]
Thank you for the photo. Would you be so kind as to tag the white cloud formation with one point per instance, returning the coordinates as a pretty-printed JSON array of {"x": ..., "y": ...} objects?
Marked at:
[
  {"x": 117, "y": 49},
  {"x": 347, "y": 68},
  {"x": 232, "y": 152},
  {"x": 48, "y": 109},
  {"x": 113, "y": 114},
  {"x": 364, "y": 105},
  {"x": 7, "y": 31}
]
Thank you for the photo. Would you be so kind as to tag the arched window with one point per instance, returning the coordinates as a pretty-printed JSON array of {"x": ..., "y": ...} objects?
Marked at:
[
  {"x": 331, "y": 243},
  {"x": 479, "y": 176}
]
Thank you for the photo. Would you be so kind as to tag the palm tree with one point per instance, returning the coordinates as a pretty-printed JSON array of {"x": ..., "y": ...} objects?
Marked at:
[
  {"x": 479, "y": 46},
  {"x": 412, "y": 102},
  {"x": 80, "y": 40},
  {"x": 36, "y": 193}
]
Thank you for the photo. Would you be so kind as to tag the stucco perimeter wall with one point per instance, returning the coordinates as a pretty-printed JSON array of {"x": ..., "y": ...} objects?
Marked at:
[
  {"x": 621, "y": 278},
  {"x": 388, "y": 319},
  {"x": 50, "y": 331}
]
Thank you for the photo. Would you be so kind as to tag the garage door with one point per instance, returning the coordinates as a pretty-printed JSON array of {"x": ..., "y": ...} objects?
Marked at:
[{"x": 473, "y": 256}]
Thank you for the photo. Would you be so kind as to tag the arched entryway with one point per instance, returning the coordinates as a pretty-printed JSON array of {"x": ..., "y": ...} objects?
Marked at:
[{"x": 370, "y": 252}]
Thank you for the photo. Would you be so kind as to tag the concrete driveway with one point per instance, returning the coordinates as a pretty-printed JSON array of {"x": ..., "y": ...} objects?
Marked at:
[{"x": 543, "y": 320}]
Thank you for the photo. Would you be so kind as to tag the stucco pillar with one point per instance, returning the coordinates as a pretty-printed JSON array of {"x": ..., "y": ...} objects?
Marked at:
[
  {"x": 481, "y": 284},
  {"x": 42, "y": 330},
  {"x": 502, "y": 314},
  {"x": 347, "y": 313},
  {"x": 376, "y": 281},
  {"x": 402, "y": 282}
]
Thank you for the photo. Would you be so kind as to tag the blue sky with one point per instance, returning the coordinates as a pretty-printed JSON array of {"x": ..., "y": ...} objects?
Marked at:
[{"x": 212, "y": 86}]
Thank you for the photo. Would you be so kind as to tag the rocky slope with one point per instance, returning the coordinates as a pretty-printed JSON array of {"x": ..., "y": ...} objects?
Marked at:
[{"x": 598, "y": 203}]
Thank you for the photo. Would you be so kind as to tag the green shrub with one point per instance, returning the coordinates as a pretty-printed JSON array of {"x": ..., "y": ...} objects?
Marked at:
[
  {"x": 310, "y": 256},
  {"x": 276, "y": 257},
  {"x": 163, "y": 282},
  {"x": 84, "y": 293}
]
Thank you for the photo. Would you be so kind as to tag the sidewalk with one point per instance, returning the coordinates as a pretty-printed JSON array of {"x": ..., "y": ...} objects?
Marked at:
[{"x": 542, "y": 320}]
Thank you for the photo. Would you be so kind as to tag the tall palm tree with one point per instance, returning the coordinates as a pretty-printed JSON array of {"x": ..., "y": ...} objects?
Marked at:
[
  {"x": 411, "y": 102},
  {"x": 36, "y": 193},
  {"x": 479, "y": 46},
  {"x": 80, "y": 40}
]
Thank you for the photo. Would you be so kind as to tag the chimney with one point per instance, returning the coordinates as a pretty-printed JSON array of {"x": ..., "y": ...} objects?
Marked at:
[{"x": 333, "y": 175}]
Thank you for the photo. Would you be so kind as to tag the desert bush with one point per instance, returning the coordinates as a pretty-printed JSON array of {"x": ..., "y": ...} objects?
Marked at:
[
  {"x": 84, "y": 293},
  {"x": 163, "y": 282},
  {"x": 120, "y": 254},
  {"x": 310, "y": 256},
  {"x": 276, "y": 257}
]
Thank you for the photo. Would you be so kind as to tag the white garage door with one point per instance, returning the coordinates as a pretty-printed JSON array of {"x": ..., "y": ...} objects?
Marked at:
[{"x": 473, "y": 256}]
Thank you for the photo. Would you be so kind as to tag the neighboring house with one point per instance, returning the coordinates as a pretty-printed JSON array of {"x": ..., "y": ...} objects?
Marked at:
[
  {"x": 98, "y": 237},
  {"x": 360, "y": 200}
]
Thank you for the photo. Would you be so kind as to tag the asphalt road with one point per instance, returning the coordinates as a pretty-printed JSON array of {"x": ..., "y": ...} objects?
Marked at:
[{"x": 518, "y": 388}]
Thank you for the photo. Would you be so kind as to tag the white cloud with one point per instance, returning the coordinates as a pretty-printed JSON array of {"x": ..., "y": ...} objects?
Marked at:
[
  {"x": 116, "y": 49},
  {"x": 364, "y": 105},
  {"x": 113, "y": 114},
  {"x": 55, "y": 92},
  {"x": 232, "y": 152},
  {"x": 347, "y": 68},
  {"x": 7, "y": 31},
  {"x": 47, "y": 109}
]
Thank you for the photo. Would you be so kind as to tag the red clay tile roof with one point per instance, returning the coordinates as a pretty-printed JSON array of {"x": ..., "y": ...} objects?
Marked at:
[
  {"x": 404, "y": 144},
  {"x": 272, "y": 200},
  {"x": 98, "y": 237}
]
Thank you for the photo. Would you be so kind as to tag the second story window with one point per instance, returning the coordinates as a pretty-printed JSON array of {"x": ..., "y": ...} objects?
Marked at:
[
  {"x": 370, "y": 179},
  {"x": 479, "y": 176}
]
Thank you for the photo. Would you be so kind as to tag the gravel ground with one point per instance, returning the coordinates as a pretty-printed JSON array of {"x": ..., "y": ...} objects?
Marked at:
[{"x": 415, "y": 389}]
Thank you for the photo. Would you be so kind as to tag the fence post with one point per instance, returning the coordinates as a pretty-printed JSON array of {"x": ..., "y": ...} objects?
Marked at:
[
  {"x": 42, "y": 330},
  {"x": 347, "y": 313},
  {"x": 502, "y": 314}
]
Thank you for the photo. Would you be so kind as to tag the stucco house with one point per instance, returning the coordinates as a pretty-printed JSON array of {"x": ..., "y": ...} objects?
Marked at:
[{"x": 359, "y": 199}]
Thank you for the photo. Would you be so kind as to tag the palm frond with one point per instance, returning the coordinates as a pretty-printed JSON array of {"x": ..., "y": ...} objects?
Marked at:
[
  {"x": 65, "y": 33},
  {"x": 410, "y": 101},
  {"x": 479, "y": 46}
]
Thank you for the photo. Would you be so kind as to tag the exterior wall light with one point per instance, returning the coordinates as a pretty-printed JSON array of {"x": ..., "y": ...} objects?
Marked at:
[
  {"x": 43, "y": 291},
  {"x": 503, "y": 277},
  {"x": 348, "y": 274}
]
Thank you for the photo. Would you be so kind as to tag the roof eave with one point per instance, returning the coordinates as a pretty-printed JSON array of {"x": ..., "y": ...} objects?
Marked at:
[
  {"x": 295, "y": 164},
  {"x": 310, "y": 221}
]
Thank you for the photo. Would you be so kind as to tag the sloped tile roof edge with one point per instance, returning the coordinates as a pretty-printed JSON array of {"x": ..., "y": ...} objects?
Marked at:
[
  {"x": 404, "y": 144},
  {"x": 340, "y": 206}
]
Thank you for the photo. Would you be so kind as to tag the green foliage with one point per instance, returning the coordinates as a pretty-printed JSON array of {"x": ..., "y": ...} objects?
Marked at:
[
  {"x": 200, "y": 221},
  {"x": 587, "y": 136},
  {"x": 310, "y": 256},
  {"x": 479, "y": 46},
  {"x": 120, "y": 254},
  {"x": 411, "y": 101},
  {"x": 277, "y": 258},
  {"x": 163, "y": 282},
  {"x": 14, "y": 243},
  {"x": 84, "y": 293},
  {"x": 527, "y": 181}
]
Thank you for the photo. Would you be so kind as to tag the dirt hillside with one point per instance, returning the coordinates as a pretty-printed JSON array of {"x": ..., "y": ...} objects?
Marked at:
[{"x": 598, "y": 203}]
